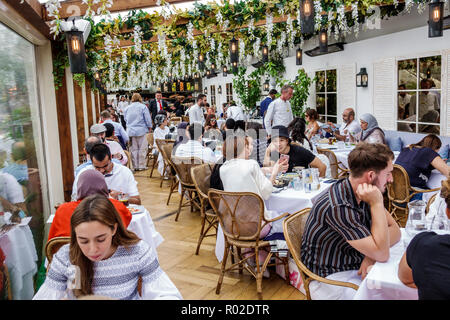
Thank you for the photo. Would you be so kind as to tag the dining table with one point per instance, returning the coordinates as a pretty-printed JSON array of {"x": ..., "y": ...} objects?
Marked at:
[
  {"x": 281, "y": 201},
  {"x": 16, "y": 242},
  {"x": 141, "y": 224}
]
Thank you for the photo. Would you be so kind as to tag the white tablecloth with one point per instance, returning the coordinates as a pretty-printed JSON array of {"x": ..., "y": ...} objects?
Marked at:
[
  {"x": 141, "y": 224},
  {"x": 382, "y": 282},
  {"x": 288, "y": 200},
  {"x": 21, "y": 257}
]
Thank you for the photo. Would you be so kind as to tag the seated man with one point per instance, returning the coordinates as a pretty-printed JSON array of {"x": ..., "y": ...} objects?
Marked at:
[
  {"x": 426, "y": 266},
  {"x": 194, "y": 147},
  {"x": 349, "y": 125},
  {"x": 99, "y": 130},
  {"x": 119, "y": 131},
  {"x": 348, "y": 228},
  {"x": 113, "y": 145},
  {"x": 119, "y": 179}
]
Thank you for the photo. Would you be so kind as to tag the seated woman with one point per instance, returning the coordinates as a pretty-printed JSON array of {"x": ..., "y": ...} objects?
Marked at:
[
  {"x": 160, "y": 132},
  {"x": 182, "y": 135},
  {"x": 89, "y": 183},
  {"x": 105, "y": 259},
  {"x": 298, "y": 156},
  {"x": 311, "y": 117},
  {"x": 370, "y": 132},
  {"x": 211, "y": 129},
  {"x": 420, "y": 159}
]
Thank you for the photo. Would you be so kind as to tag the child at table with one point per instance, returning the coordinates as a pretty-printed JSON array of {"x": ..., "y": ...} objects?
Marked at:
[{"x": 105, "y": 259}]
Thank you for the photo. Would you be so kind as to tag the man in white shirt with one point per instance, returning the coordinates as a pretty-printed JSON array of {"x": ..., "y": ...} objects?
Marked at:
[
  {"x": 349, "y": 125},
  {"x": 279, "y": 112},
  {"x": 122, "y": 106},
  {"x": 427, "y": 100},
  {"x": 195, "y": 112},
  {"x": 235, "y": 112},
  {"x": 119, "y": 179},
  {"x": 194, "y": 147}
]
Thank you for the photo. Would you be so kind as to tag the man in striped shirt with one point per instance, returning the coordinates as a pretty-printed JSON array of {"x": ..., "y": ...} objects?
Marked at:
[{"x": 348, "y": 228}]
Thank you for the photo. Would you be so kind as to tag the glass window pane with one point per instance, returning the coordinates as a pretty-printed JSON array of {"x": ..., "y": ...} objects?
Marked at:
[
  {"x": 332, "y": 119},
  {"x": 331, "y": 81},
  {"x": 405, "y": 107},
  {"x": 320, "y": 83},
  {"x": 407, "y": 74},
  {"x": 322, "y": 118},
  {"x": 430, "y": 70},
  {"x": 320, "y": 103},
  {"x": 429, "y": 129},
  {"x": 331, "y": 104},
  {"x": 406, "y": 127},
  {"x": 429, "y": 106}
]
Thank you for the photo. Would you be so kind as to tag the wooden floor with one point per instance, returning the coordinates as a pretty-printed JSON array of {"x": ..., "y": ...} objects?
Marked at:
[{"x": 196, "y": 275}]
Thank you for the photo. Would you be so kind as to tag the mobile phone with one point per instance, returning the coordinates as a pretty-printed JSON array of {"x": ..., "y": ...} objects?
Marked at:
[{"x": 284, "y": 156}]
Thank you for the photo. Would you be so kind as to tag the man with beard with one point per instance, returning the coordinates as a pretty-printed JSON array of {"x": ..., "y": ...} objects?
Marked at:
[
  {"x": 348, "y": 229},
  {"x": 195, "y": 112}
]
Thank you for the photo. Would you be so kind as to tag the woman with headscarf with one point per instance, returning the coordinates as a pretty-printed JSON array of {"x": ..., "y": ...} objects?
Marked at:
[
  {"x": 370, "y": 131},
  {"x": 89, "y": 183}
]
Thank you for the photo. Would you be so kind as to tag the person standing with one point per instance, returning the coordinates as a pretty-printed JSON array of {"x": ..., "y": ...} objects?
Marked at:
[
  {"x": 235, "y": 112},
  {"x": 122, "y": 106},
  {"x": 157, "y": 105},
  {"x": 139, "y": 124},
  {"x": 279, "y": 112},
  {"x": 195, "y": 112},
  {"x": 266, "y": 102}
]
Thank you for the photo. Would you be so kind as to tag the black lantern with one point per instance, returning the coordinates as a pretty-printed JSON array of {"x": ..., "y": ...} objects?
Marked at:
[
  {"x": 265, "y": 54},
  {"x": 97, "y": 76},
  {"x": 299, "y": 57},
  {"x": 234, "y": 51},
  {"x": 77, "y": 54},
  {"x": 234, "y": 67},
  {"x": 323, "y": 40},
  {"x": 201, "y": 61},
  {"x": 213, "y": 67},
  {"x": 206, "y": 90},
  {"x": 307, "y": 16},
  {"x": 196, "y": 75},
  {"x": 225, "y": 71},
  {"x": 169, "y": 75},
  {"x": 435, "y": 20},
  {"x": 208, "y": 73},
  {"x": 219, "y": 90},
  {"x": 266, "y": 85},
  {"x": 362, "y": 78}
]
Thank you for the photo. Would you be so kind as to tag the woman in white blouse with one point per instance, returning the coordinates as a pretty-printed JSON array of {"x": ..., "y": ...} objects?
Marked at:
[
  {"x": 160, "y": 133},
  {"x": 104, "y": 259}
]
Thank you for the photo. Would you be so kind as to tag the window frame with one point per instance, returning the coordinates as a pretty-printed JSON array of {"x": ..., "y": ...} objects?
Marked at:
[{"x": 325, "y": 93}]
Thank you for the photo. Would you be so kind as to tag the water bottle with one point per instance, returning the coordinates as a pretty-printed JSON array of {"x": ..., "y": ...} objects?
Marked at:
[
  {"x": 307, "y": 181},
  {"x": 347, "y": 140}
]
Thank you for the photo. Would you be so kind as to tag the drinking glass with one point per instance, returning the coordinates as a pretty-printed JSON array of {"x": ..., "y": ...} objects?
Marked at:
[
  {"x": 440, "y": 221},
  {"x": 416, "y": 218},
  {"x": 124, "y": 197}
]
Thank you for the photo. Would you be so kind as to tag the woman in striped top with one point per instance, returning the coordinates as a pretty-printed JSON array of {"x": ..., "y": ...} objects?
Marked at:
[{"x": 104, "y": 259}]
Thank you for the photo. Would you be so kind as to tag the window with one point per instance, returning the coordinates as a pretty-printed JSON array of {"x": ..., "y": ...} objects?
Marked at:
[
  {"x": 326, "y": 95},
  {"x": 419, "y": 95},
  {"x": 20, "y": 172},
  {"x": 229, "y": 92},
  {"x": 213, "y": 95}
]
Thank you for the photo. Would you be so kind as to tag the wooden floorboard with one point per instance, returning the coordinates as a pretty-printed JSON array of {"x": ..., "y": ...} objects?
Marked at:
[{"x": 196, "y": 275}]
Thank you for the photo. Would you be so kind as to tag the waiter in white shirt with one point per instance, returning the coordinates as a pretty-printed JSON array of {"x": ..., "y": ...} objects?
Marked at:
[
  {"x": 122, "y": 106},
  {"x": 279, "y": 112},
  {"x": 235, "y": 112},
  {"x": 349, "y": 125},
  {"x": 195, "y": 112}
]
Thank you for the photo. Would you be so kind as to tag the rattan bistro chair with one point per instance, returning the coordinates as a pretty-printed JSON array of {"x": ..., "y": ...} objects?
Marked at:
[
  {"x": 430, "y": 202},
  {"x": 241, "y": 217},
  {"x": 400, "y": 193},
  {"x": 182, "y": 166},
  {"x": 167, "y": 150},
  {"x": 128, "y": 154},
  {"x": 150, "y": 155},
  {"x": 293, "y": 228},
  {"x": 166, "y": 157},
  {"x": 338, "y": 171},
  {"x": 53, "y": 245},
  {"x": 201, "y": 176}
]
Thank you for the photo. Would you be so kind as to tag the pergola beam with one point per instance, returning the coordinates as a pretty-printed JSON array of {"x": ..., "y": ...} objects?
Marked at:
[
  {"x": 31, "y": 11},
  {"x": 75, "y": 8}
]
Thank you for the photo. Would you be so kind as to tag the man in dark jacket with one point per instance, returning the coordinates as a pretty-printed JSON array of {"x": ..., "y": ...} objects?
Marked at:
[{"x": 157, "y": 105}]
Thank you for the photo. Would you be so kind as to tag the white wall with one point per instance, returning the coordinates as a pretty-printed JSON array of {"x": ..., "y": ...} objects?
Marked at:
[{"x": 364, "y": 53}]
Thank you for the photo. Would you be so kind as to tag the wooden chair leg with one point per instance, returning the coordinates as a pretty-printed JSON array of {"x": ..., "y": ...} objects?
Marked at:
[
  {"x": 286, "y": 269},
  {"x": 260, "y": 272},
  {"x": 155, "y": 161},
  {"x": 181, "y": 202},
  {"x": 172, "y": 188},
  {"x": 202, "y": 235},
  {"x": 239, "y": 254},
  {"x": 222, "y": 268}
]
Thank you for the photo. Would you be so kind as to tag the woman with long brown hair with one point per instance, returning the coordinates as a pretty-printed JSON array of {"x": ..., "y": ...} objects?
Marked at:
[
  {"x": 311, "y": 117},
  {"x": 105, "y": 259}
]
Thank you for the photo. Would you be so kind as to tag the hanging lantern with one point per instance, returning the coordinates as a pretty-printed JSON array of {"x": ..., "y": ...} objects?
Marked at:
[
  {"x": 435, "y": 20},
  {"x": 362, "y": 78},
  {"x": 265, "y": 54},
  {"x": 219, "y": 89},
  {"x": 266, "y": 86},
  {"x": 307, "y": 16},
  {"x": 206, "y": 90},
  {"x": 208, "y": 73},
  {"x": 225, "y": 71},
  {"x": 234, "y": 67},
  {"x": 299, "y": 57},
  {"x": 77, "y": 54},
  {"x": 201, "y": 61},
  {"x": 234, "y": 50},
  {"x": 213, "y": 67},
  {"x": 323, "y": 40}
]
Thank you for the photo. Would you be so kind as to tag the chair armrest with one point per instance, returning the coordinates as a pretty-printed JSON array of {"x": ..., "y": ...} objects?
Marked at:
[
  {"x": 424, "y": 190},
  {"x": 279, "y": 217}
]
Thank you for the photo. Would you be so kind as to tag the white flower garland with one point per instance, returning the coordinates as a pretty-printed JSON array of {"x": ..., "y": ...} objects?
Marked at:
[
  {"x": 242, "y": 51},
  {"x": 421, "y": 7},
  {"x": 256, "y": 48},
  {"x": 219, "y": 18},
  {"x": 280, "y": 43},
  {"x": 318, "y": 18},
  {"x": 166, "y": 11},
  {"x": 103, "y": 9},
  {"x": 291, "y": 32},
  {"x": 396, "y": 3},
  {"x": 226, "y": 24},
  {"x": 355, "y": 19},
  {"x": 124, "y": 58},
  {"x": 137, "y": 37},
  {"x": 408, "y": 5},
  {"x": 108, "y": 45},
  {"x": 269, "y": 26},
  {"x": 251, "y": 28},
  {"x": 219, "y": 54},
  {"x": 52, "y": 7},
  {"x": 342, "y": 21}
]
